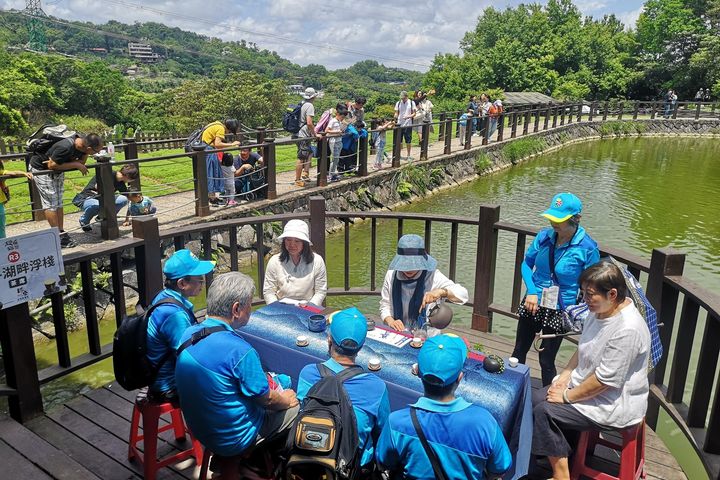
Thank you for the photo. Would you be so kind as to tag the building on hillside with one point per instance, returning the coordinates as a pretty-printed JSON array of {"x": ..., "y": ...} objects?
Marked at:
[
  {"x": 295, "y": 89},
  {"x": 142, "y": 52},
  {"x": 99, "y": 50}
]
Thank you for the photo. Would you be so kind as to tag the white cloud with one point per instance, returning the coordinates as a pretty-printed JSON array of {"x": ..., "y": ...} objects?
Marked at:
[
  {"x": 629, "y": 19},
  {"x": 334, "y": 34}
]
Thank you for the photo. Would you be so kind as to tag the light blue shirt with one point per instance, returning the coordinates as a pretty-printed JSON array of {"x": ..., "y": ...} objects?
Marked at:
[
  {"x": 369, "y": 397},
  {"x": 165, "y": 328},
  {"x": 571, "y": 259},
  {"x": 466, "y": 438},
  {"x": 219, "y": 380}
]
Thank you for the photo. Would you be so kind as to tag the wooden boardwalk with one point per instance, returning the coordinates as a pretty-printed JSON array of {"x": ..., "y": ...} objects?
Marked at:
[{"x": 87, "y": 437}]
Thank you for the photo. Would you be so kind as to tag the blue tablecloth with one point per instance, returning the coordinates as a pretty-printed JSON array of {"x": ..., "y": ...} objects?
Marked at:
[{"x": 272, "y": 331}]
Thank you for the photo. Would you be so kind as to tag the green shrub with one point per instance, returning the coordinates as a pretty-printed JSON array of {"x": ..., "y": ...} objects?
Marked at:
[
  {"x": 482, "y": 162},
  {"x": 404, "y": 189},
  {"x": 523, "y": 148},
  {"x": 84, "y": 124},
  {"x": 621, "y": 127}
]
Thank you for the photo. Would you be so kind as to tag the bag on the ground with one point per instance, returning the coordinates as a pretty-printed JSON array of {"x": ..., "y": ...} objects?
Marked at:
[
  {"x": 323, "y": 441},
  {"x": 324, "y": 121},
  {"x": 132, "y": 367},
  {"x": 45, "y": 137},
  {"x": 291, "y": 121}
]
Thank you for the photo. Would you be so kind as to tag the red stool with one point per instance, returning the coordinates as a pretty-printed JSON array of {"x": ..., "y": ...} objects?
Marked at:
[
  {"x": 632, "y": 454},
  {"x": 151, "y": 413}
]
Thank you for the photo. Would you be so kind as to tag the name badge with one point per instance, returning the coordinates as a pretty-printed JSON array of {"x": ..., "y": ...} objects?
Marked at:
[{"x": 550, "y": 297}]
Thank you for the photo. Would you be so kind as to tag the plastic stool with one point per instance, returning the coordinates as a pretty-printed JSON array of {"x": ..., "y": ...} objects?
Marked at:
[
  {"x": 632, "y": 454},
  {"x": 151, "y": 413}
]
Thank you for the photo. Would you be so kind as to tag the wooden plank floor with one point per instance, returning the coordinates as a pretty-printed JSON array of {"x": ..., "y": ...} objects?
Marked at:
[{"x": 87, "y": 437}]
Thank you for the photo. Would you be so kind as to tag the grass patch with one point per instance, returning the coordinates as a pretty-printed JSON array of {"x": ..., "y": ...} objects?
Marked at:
[
  {"x": 482, "y": 162},
  {"x": 620, "y": 127},
  {"x": 521, "y": 148}
]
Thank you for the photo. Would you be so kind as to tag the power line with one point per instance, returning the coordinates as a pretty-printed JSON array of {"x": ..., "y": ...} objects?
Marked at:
[{"x": 279, "y": 38}]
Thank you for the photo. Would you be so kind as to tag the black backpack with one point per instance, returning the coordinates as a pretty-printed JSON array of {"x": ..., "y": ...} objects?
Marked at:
[
  {"x": 132, "y": 367},
  {"x": 323, "y": 441},
  {"x": 291, "y": 120},
  {"x": 195, "y": 139},
  {"x": 45, "y": 137}
]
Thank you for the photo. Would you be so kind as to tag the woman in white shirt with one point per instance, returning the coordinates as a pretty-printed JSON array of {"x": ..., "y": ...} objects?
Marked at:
[
  {"x": 296, "y": 273},
  {"x": 412, "y": 282},
  {"x": 605, "y": 385}
]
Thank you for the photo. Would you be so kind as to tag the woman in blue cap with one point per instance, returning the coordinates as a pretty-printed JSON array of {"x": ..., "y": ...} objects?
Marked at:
[
  {"x": 412, "y": 282},
  {"x": 551, "y": 271}
]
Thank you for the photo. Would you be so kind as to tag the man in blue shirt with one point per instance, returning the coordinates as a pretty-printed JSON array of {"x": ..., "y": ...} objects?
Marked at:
[
  {"x": 368, "y": 394},
  {"x": 184, "y": 278},
  {"x": 464, "y": 436},
  {"x": 224, "y": 393}
]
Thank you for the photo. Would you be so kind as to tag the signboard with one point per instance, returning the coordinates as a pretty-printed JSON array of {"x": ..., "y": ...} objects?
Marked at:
[{"x": 31, "y": 267}]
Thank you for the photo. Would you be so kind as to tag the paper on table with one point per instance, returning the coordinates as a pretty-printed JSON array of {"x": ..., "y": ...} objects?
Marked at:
[
  {"x": 388, "y": 337},
  {"x": 292, "y": 301}
]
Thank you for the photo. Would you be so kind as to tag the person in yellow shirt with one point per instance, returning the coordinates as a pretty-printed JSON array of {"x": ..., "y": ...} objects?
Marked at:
[
  {"x": 214, "y": 137},
  {"x": 5, "y": 192}
]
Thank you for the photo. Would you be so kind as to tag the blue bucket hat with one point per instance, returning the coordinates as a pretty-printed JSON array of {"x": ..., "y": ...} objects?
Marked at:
[
  {"x": 349, "y": 329},
  {"x": 562, "y": 207},
  {"x": 184, "y": 263},
  {"x": 441, "y": 359},
  {"x": 411, "y": 255}
]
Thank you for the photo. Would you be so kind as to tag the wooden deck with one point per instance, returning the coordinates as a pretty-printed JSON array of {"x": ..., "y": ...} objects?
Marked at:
[{"x": 87, "y": 437}]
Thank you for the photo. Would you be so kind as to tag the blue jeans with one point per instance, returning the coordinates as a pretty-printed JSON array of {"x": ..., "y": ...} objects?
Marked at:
[
  {"x": 91, "y": 207},
  {"x": 380, "y": 150},
  {"x": 2, "y": 220}
]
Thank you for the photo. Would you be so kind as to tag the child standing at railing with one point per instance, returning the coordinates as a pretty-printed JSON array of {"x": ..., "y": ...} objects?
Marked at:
[
  {"x": 462, "y": 123},
  {"x": 334, "y": 132},
  {"x": 379, "y": 142},
  {"x": 5, "y": 192},
  {"x": 139, "y": 205}
]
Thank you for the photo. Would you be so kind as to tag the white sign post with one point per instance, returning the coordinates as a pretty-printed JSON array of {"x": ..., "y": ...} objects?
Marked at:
[{"x": 31, "y": 267}]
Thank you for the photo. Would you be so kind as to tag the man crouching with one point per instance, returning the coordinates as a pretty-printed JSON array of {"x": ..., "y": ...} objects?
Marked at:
[{"x": 225, "y": 396}]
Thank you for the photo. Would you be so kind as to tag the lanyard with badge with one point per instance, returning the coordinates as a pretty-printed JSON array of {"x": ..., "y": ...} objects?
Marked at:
[{"x": 551, "y": 295}]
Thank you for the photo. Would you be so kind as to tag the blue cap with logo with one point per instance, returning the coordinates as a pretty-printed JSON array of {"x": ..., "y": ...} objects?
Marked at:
[
  {"x": 184, "y": 263},
  {"x": 349, "y": 329},
  {"x": 562, "y": 207},
  {"x": 441, "y": 359}
]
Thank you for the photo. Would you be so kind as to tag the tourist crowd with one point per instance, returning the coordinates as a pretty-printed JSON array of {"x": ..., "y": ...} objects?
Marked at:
[{"x": 235, "y": 408}]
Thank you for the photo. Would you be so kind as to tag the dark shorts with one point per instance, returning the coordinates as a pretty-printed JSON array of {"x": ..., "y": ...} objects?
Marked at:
[
  {"x": 304, "y": 150},
  {"x": 406, "y": 134}
]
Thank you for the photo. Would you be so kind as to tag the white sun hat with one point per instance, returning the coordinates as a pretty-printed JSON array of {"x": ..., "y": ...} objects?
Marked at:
[{"x": 296, "y": 229}]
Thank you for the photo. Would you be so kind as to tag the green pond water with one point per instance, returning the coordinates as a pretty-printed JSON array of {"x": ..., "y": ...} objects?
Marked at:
[{"x": 638, "y": 194}]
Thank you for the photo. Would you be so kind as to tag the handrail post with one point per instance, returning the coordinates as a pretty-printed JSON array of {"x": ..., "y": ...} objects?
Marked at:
[
  {"x": 270, "y": 168},
  {"x": 425, "y": 129},
  {"x": 322, "y": 160},
  {"x": 485, "y": 129},
  {"x": 636, "y": 109},
  {"x": 373, "y": 126},
  {"x": 526, "y": 122},
  {"x": 500, "y": 127},
  {"x": 697, "y": 111},
  {"x": 592, "y": 111},
  {"x": 605, "y": 111},
  {"x": 106, "y": 188},
  {"x": 513, "y": 122},
  {"x": 21, "y": 370},
  {"x": 621, "y": 107},
  {"x": 653, "y": 110},
  {"x": 663, "y": 262},
  {"x": 317, "y": 224},
  {"x": 363, "y": 158},
  {"x": 441, "y": 127},
  {"x": 469, "y": 130},
  {"x": 448, "y": 135},
  {"x": 579, "y": 112},
  {"x": 555, "y": 116},
  {"x": 546, "y": 122},
  {"x": 148, "y": 258},
  {"x": 675, "y": 110},
  {"x": 131, "y": 153},
  {"x": 487, "y": 240},
  {"x": 563, "y": 106},
  {"x": 260, "y": 135},
  {"x": 397, "y": 146},
  {"x": 202, "y": 206},
  {"x": 536, "y": 125}
]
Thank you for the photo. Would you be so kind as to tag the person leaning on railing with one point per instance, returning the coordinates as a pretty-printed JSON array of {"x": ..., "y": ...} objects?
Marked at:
[
  {"x": 604, "y": 385},
  {"x": 214, "y": 137},
  {"x": 550, "y": 270},
  {"x": 296, "y": 273},
  {"x": 411, "y": 282}
]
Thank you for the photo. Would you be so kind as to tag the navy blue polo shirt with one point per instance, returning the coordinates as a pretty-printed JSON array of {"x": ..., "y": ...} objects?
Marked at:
[
  {"x": 219, "y": 380},
  {"x": 369, "y": 397},
  {"x": 464, "y": 436}
]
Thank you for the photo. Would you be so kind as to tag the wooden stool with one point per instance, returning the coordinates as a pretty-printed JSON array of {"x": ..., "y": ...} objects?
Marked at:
[
  {"x": 151, "y": 413},
  {"x": 632, "y": 454}
]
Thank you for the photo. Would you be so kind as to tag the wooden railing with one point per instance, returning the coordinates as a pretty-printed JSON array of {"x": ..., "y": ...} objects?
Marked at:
[
  {"x": 515, "y": 121},
  {"x": 662, "y": 275}
]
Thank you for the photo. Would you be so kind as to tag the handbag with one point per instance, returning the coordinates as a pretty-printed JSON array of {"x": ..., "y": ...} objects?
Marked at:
[
  {"x": 434, "y": 461},
  {"x": 565, "y": 320}
]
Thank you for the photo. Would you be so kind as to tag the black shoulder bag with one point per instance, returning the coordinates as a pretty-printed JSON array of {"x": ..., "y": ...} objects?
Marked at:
[{"x": 434, "y": 460}]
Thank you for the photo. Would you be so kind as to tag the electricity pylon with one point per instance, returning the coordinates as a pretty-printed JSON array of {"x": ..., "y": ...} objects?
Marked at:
[{"x": 36, "y": 27}]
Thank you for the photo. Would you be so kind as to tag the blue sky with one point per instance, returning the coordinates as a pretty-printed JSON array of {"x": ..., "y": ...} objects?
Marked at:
[{"x": 334, "y": 34}]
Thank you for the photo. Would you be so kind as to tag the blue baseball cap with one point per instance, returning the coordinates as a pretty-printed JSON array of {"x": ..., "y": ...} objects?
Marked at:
[
  {"x": 349, "y": 329},
  {"x": 441, "y": 359},
  {"x": 184, "y": 263},
  {"x": 562, "y": 207}
]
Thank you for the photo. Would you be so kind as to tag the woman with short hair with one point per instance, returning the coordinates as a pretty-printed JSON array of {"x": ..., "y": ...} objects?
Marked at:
[
  {"x": 604, "y": 385},
  {"x": 296, "y": 273}
]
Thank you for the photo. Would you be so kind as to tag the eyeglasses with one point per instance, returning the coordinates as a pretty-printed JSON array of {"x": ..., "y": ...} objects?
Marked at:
[{"x": 200, "y": 280}]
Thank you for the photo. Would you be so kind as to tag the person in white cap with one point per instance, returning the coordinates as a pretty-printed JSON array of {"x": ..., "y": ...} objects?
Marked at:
[
  {"x": 307, "y": 130},
  {"x": 296, "y": 273}
]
